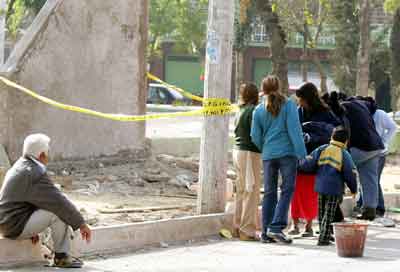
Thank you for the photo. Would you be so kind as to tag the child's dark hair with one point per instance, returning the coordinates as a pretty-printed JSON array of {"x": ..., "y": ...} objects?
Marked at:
[{"x": 340, "y": 134}]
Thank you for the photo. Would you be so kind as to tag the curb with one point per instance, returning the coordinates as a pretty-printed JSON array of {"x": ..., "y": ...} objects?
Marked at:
[{"x": 121, "y": 238}]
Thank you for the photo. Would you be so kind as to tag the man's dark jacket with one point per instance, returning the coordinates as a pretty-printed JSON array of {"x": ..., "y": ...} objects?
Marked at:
[{"x": 27, "y": 188}]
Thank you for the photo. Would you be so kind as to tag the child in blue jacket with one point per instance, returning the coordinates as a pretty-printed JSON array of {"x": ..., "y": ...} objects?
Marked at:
[{"x": 334, "y": 168}]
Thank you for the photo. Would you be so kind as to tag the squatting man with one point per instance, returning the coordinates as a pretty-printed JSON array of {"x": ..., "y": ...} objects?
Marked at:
[{"x": 30, "y": 203}]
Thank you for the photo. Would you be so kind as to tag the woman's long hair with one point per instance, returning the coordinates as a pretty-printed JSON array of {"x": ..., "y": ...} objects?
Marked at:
[
  {"x": 248, "y": 94},
  {"x": 271, "y": 86},
  {"x": 309, "y": 92},
  {"x": 334, "y": 100}
]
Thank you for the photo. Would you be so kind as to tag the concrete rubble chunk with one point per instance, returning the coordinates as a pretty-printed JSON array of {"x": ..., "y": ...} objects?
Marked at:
[
  {"x": 162, "y": 177},
  {"x": 184, "y": 163}
]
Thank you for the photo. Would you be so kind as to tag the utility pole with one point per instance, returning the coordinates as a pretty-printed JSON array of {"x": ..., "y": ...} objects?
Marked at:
[
  {"x": 3, "y": 12},
  {"x": 215, "y": 134}
]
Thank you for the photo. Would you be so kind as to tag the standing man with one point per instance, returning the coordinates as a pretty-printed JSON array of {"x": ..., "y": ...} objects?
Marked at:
[
  {"x": 30, "y": 203},
  {"x": 386, "y": 128}
]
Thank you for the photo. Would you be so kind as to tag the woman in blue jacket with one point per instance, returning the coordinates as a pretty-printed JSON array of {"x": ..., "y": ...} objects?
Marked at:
[{"x": 276, "y": 131}]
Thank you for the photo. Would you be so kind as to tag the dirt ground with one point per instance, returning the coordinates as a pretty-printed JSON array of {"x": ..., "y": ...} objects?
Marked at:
[{"x": 109, "y": 191}]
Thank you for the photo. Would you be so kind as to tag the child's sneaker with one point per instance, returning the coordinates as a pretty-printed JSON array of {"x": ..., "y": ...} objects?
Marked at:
[
  {"x": 324, "y": 243},
  {"x": 308, "y": 233},
  {"x": 294, "y": 232}
]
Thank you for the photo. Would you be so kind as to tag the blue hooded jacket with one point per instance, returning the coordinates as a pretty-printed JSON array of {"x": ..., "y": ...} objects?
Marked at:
[
  {"x": 278, "y": 136},
  {"x": 333, "y": 167}
]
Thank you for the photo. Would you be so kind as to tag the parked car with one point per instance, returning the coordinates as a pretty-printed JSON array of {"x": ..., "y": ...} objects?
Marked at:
[{"x": 160, "y": 94}]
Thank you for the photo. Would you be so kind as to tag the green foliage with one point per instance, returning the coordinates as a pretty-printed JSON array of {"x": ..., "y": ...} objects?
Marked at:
[
  {"x": 191, "y": 26},
  {"x": 380, "y": 59},
  {"x": 347, "y": 35},
  {"x": 17, "y": 10},
  {"x": 244, "y": 24},
  {"x": 35, "y": 5},
  {"x": 392, "y": 5},
  {"x": 181, "y": 21},
  {"x": 162, "y": 23},
  {"x": 395, "y": 50}
]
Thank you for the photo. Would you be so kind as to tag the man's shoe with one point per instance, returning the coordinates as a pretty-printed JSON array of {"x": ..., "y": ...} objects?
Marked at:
[
  {"x": 380, "y": 213},
  {"x": 332, "y": 239},
  {"x": 67, "y": 262},
  {"x": 324, "y": 243},
  {"x": 367, "y": 214},
  {"x": 279, "y": 237},
  {"x": 308, "y": 233}
]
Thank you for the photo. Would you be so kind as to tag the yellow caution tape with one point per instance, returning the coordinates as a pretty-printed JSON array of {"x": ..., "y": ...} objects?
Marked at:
[{"x": 212, "y": 106}]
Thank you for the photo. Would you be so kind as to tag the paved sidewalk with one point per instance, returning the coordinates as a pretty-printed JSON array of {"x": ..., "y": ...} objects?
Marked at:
[{"x": 382, "y": 255}]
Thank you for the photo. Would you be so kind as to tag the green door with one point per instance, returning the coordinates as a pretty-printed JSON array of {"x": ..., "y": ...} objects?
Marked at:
[
  {"x": 261, "y": 69},
  {"x": 185, "y": 73}
]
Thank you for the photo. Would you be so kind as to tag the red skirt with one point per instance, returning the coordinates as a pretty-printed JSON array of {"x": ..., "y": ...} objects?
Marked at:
[{"x": 305, "y": 200}]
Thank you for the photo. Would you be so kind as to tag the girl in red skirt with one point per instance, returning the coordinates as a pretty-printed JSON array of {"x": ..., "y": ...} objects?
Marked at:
[{"x": 318, "y": 123}]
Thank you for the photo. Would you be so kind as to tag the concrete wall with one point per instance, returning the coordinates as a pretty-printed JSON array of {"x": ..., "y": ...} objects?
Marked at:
[{"x": 87, "y": 53}]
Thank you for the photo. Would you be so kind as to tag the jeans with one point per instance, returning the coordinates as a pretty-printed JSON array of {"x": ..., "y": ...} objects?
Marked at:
[
  {"x": 274, "y": 212},
  {"x": 381, "y": 201},
  {"x": 61, "y": 233},
  {"x": 367, "y": 166}
]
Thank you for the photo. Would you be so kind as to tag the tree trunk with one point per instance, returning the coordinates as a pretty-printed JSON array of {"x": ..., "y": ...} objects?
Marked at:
[
  {"x": 304, "y": 58},
  {"x": 395, "y": 48},
  {"x": 278, "y": 42},
  {"x": 344, "y": 58},
  {"x": 363, "y": 52},
  {"x": 304, "y": 65},
  {"x": 322, "y": 74},
  {"x": 239, "y": 71},
  {"x": 10, "y": 8}
]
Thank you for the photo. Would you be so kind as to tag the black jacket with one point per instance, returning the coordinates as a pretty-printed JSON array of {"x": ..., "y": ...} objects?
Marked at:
[
  {"x": 26, "y": 189},
  {"x": 362, "y": 126}
]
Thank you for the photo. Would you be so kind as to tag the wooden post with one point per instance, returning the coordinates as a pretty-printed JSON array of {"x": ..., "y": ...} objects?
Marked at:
[
  {"x": 215, "y": 134},
  {"x": 3, "y": 11}
]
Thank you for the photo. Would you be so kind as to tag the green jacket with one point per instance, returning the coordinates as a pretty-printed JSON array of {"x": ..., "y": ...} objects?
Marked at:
[{"x": 242, "y": 129}]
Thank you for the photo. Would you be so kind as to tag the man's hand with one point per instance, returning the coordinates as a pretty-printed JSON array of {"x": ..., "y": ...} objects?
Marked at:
[
  {"x": 35, "y": 239},
  {"x": 86, "y": 233}
]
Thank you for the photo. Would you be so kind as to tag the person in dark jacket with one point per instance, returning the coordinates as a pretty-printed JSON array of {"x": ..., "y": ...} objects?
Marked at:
[
  {"x": 247, "y": 161},
  {"x": 318, "y": 123},
  {"x": 386, "y": 128},
  {"x": 30, "y": 203},
  {"x": 365, "y": 146},
  {"x": 334, "y": 168}
]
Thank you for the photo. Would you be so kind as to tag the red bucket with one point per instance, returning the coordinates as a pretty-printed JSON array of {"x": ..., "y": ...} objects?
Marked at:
[{"x": 350, "y": 239}]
